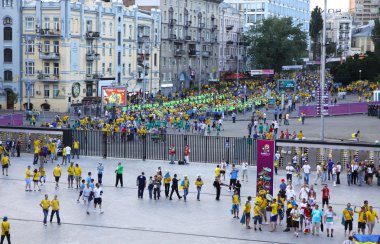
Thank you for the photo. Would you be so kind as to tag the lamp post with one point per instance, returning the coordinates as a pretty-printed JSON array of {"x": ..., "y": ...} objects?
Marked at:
[
  {"x": 323, "y": 67},
  {"x": 360, "y": 74}
]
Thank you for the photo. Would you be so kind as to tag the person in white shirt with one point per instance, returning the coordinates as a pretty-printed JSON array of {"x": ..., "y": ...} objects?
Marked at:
[
  {"x": 295, "y": 159},
  {"x": 334, "y": 174},
  {"x": 329, "y": 221},
  {"x": 304, "y": 192},
  {"x": 244, "y": 167},
  {"x": 223, "y": 168},
  {"x": 338, "y": 170},
  {"x": 289, "y": 172},
  {"x": 87, "y": 197},
  {"x": 290, "y": 193},
  {"x": 68, "y": 153},
  {"x": 276, "y": 161},
  {"x": 319, "y": 174},
  {"x": 98, "y": 192},
  {"x": 306, "y": 172}
]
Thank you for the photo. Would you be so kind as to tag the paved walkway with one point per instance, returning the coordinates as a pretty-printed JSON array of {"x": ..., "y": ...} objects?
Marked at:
[{"x": 128, "y": 219}]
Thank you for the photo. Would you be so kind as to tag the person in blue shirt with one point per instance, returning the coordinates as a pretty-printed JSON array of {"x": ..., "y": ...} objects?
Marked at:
[
  {"x": 88, "y": 178},
  {"x": 141, "y": 184},
  {"x": 330, "y": 166},
  {"x": 233, "y": 177},
  {"x": 316, "y": 219},
  {"x": 100, "y": 170}
]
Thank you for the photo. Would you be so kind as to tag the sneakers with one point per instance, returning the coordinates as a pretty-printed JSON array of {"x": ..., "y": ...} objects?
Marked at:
[
  {"x": 260, "y": 229},
  {"x": 88, "y": 213},
  {"x": 328, "y": 235},
  {"x": 101, "y": 212}
]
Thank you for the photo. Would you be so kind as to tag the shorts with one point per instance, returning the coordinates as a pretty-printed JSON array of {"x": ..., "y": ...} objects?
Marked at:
[
  {"x": 256, "y": 219},
  {"x": 296, "y": 224},
  {"x": 70, "y": 177},
  {"x": 77, "y": 178},
  {"x": 235, "y": 207},
  {"x": 222, "y": 172},
  {"x": 35, "y": 181},
  {"x": 371, "y": 225},
  {"x": 348, "y": 224},
  {"x": 361, "y": 225},
  {"x": 98, "y": 200},
  {"x": 247, "y": 215},
  {"x": 329, "y": 225},
  {"x": 27, "y": 181},
  {"x": 325, "y": 201},
  {"x": 5, "y": 166},
  {"x": 56, "y": 178},
  {"x": 273, "y": 218}
]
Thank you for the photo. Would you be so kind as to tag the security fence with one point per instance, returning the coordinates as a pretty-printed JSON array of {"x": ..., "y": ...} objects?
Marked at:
[{"x": 205, "y": 149}]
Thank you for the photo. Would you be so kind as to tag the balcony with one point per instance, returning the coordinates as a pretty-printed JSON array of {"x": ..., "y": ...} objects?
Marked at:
[
  {"x": 172, "y": 37},
  {"x": 91, "y": 35},
  {"x": 47, "y": 77},
  {"x": 188, "y": 38},
  {"x": 229, "y": 27},
  {"x": 172, "y": 22},
  {"x": 193, "y": 53},
  {"x": 179, "y": 53},
  {"x": 201, "y": 25},
  {"x": 201, "y": 39},
  {"x": 205, "y": 54},
  {"x": 49, "y": 56},
  {"x": 231, "y": 57},
  {"x": 188, "y": 23},
  {"x": 229, "y": 42},
  {"x": 52, "y": 33},
  {"x": 214, "y": 27},
  {"x": 92, "y": 56}
]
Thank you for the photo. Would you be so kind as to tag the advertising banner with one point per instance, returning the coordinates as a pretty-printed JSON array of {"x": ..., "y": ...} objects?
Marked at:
[
  {"x": 265, "y": 165},
  {"x": 114, "y": 96},
  {"x": 262, "y": 72},
  {"x": 286, "y": 85}
]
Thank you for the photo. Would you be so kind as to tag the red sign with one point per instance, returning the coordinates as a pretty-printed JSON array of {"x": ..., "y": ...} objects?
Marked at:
[
  {"x": 265, "y": 164},
  {"x": 114, "y": 96}
]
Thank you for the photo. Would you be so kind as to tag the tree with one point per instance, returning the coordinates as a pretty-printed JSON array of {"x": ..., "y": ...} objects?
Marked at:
[
  {"x": 315, "y": 27},
  {"x": 331, "y": 48},
  {"x": 376, "y": 37},
  {"x": 276, "y": 42}
]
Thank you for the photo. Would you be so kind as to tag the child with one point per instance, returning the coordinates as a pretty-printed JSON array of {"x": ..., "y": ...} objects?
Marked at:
[
  {"x": 247, "y": 212},
  {"x": 36, "y": 177},
  {"x": 257, "y": 216},
  {"x": 235, "y": 204}
]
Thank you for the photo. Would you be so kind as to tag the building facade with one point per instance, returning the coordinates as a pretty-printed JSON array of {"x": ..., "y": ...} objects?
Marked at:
[
  {"x": 73, "y": 48},
  {"x": 189, "y": 47},
  {"x": 232, "y": 51},
  {"x": 362, "y": 39},
  {"x": 339, "y": 31},
  {"x": 10, "y": 55},
  {"x": 257, "y": 10},
  {"x": 363, "y": 11}
]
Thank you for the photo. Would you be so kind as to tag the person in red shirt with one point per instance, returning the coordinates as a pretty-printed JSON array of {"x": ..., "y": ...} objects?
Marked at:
[
  {"x": 187, "y": 153},
  {"x": 325, "y": 196},
  {"x": 172, "y": 153}
]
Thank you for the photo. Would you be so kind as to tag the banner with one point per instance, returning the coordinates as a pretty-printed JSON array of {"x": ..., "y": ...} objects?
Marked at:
[
  {"x": 284, "y": 85},
  {"x": 265, "y": 165},
  {"x": 262, "y": 72},
  {"x": 114, "y": 96}
]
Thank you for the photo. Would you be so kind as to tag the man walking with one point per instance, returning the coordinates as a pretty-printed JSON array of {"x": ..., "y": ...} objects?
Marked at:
[
  {"x": 185, "y": 185},
  {"x": 174, "y": 187},
  {"x": 78, "y": 174},
  {"x": 325, "y": 196},
  {"x": 68, "y": 154},
  {"x": 329, "y": 221},
  {"x": 244, "y": 167},
  {"x": 316, "y": 220},
  {"x": 187, "y": 154},
  {"x": 330, "y": 166},
  {"x": 100, "y": 170},
  {"x": 289, "y": 172},
  {"x": 87, "y": 197},
  {"x": 119, "y": 174},
  {"x": 98, "y": 192},
  {"x": 167, "y": 180},
  {"x": 70, "y": 173},
  {"x": 347, "y": 217},
  {"x": 233, "y": 177},
  {"x": 5, "y": 230},
  {"x": 172, "y": 153},
  {"x": 76, "y": 149},
  {"x": 55, "y": 209},
  {"x": 57, "y": 174},
  {"x": 141, "y": 184},
  {"x": 199, "y": 184},
  {"x": 306, "y": 172},
  {"x": 45, "y": 205}
]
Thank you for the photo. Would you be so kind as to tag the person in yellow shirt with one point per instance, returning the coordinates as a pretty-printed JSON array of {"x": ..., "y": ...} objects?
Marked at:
[
  {"x": 217, "y": 171},
  {"x": 362, "y": 219},
  {"x": 45, "y": 205},
  {"x": 199, "y": 183},
  {"x": 300, "y": 135},
  {"x": 53, "y": 149},
  {"x": 2, "y": 149},
  {"x": 274, "y": 215},
  {"x": 70, "y": 173},
  {"x": 235, "y": 204},
  {"x": 78, "y": 174},
  {"x": 37, "y": 150},
  {"x": 55, "y": 209},
  {"x": 76, "y": 148},
  {"x": 371, "y": 215},
  {"x": 57, "y": 174},
  {"x": 36, "y": 179},
  {"x": 167, "y": 180},
  {"x": 247, "y": 212},
  {"x": 64, "y": 159},
  {"x": 5, "y": 230},
  {"x": 257, "y": 216},
  {"x": 27, "y": 179},
  {"x": 42, "y": 174},
  {"x": 5, "y": 163}
]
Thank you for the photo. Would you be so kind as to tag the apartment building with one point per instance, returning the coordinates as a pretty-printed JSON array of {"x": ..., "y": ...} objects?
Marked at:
[
  {"x": 364, "y": 11},
  {"x": 339, "y": 31},
  {"x": 73, "y": 48}
]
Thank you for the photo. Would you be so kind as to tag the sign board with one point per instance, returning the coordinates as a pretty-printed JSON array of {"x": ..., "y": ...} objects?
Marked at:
[
  {"x": 74, "y": 56},
  {"x": 292, "y": 67},
  {"x": 262, "y": 72},
  {"x": 114, "y": 96},
  {"x": 265, "y": 166},
  {"x": 284, "y": 85}
]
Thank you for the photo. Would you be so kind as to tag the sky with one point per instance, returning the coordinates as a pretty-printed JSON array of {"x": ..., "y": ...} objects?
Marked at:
[{"x": 334, "y": 4}]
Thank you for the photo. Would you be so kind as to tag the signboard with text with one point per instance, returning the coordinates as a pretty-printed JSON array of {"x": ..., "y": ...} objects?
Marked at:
[
  {"x": 265, "y": 165},
  {"x": 286, "y": 85},
  {"x": 262, "y": 72},
  {"x": 114, "y": 96}
]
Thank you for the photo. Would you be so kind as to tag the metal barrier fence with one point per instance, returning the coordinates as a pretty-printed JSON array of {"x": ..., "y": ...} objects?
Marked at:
[{"x": 205, "y": 149}]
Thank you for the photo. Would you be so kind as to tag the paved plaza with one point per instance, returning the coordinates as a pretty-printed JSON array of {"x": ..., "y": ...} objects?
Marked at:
[{"x": 127, "y": 219}]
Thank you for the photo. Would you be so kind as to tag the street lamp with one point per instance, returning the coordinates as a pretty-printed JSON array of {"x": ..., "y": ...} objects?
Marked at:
[
  {"x": 323, "y": 67},
  {"x": 360, "y": 74}
]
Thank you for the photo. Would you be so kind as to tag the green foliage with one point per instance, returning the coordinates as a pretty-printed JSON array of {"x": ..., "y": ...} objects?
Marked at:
[
  {"x": 376, "y": 37},
  {"x": 349, "y": 70},
  {"x": 276, "y": 42},
  {"x": 331, "y": 49},
  {"x": 315, "y": 27}
]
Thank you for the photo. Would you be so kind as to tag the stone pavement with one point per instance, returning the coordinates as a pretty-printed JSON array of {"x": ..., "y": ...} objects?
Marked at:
[{"x": 128, "y": 219}]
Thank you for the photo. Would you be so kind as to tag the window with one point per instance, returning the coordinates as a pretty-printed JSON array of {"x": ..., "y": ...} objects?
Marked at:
[
  {"x": 130, "y": 50},
  {"x": 7, "y": 3},
  {"x": 56, "y": 23},
  {"x": 118, "y": 38},
  {"x": 155, "y": 59},
  {"x": 103, "y": 69},
  {"x": 123, "y": 49},
  {"x": 123, "y": 69},
  {"x": 124, "y": 30},
  {"x": 29, "y": 46},
  {"x": 110, "y": 68},
  {"x": 46, "y": 23},
  {"x": 130, "y": 31},
  {"x": 7, "y": 33},
  {"x": 129, "y": 69},
  {"x": 56, "y": 46},
  {"x": 46, "y": 91},
  {"x": 29, "y": 23},
  {"x": 89, "y": 68},
  {"x": 31, "y": 89},
  {"x": 29, "y": 66},
  {"x": 55, "y": 91},
  {"x": 89, "y": 25},
  {"x": 8, "y": 76},
  {"x": 104, "y": 27},
  {"x": 103, "y": 49},
  {"x": 118, "y": 58},
  {"x": 56, "y": 69},
  {"x": 110, "y": 49},
  {"x": 111, "y": 29},
  {"x": 46, "y": 68},
  {"x": 46, "y": 46},
  {"x": 8, "y": 55}
]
